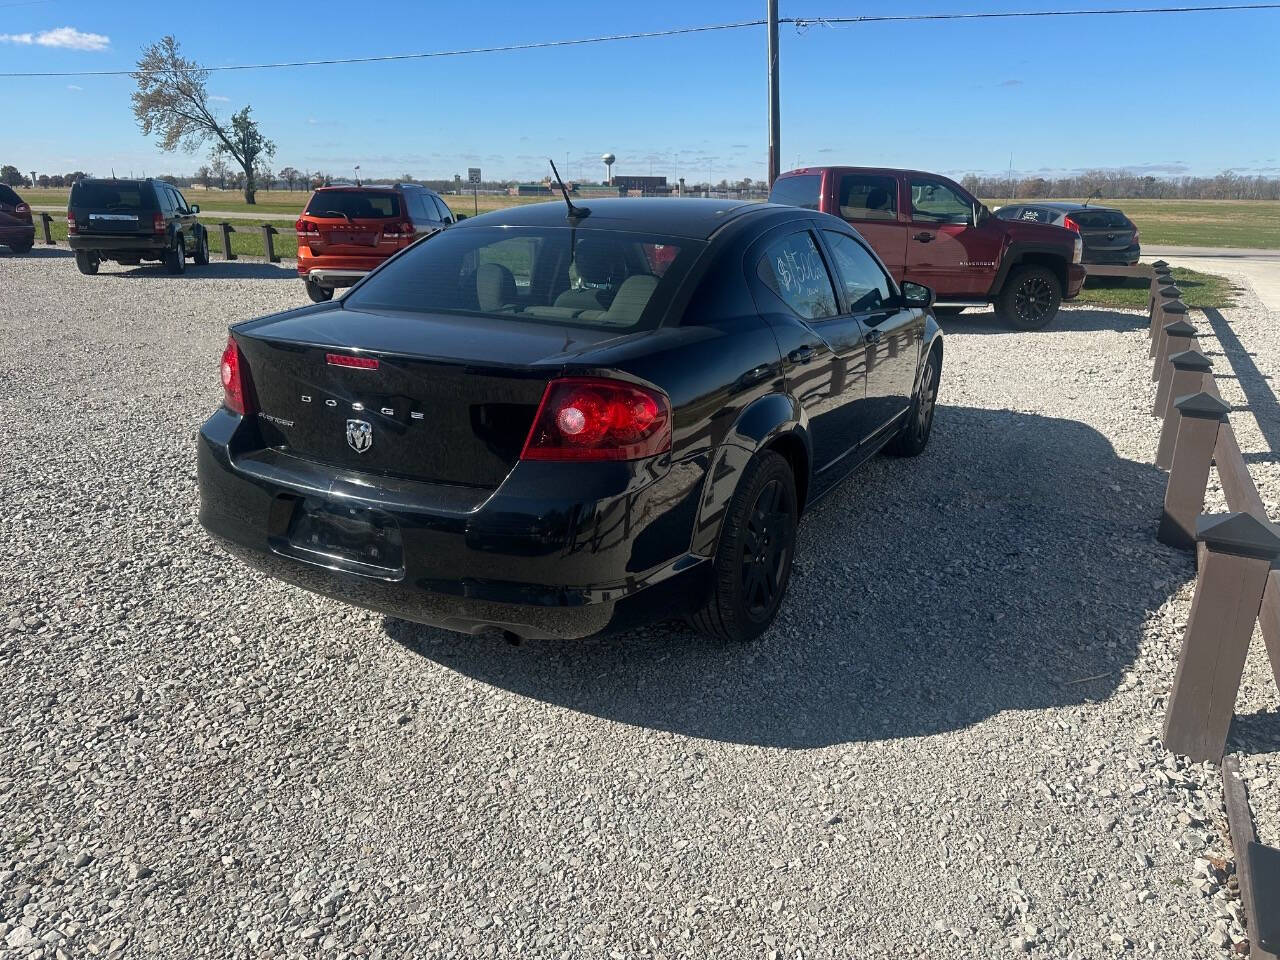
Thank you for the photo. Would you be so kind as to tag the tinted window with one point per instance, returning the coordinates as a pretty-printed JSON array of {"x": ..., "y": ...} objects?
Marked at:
[
  {"x": 354, "y": 203},
  {"x": 113, "y": 195},
  {"x": 418, "y": 209},
  {"x": 868, "y": 198},
  {"x": 865, "y": 284},
  {"x": 1038, "y": 215},
  {"x": 446, "y": 215},
  {"x": 938, "y": 203},
  {"x": 1100, "y": 219},
  {"x": 799, "y": 191},
  {"x": 164, "y": 198},
  {"x": 180, "y": 200},
  {"x": 8, "y": 196},
  {"x": 557, "y": 275},
  {"x": 793, "y": 269}
]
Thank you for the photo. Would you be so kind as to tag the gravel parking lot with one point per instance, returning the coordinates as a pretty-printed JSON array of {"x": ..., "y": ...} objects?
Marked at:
[{"x": 947, "y": 747}]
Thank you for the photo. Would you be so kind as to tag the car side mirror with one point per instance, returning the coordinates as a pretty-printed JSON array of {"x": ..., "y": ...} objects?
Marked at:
[
  {"x": 458, "y": 218},
  {"x": 917, "y": 295},
  {"x": 195, "y": 208}
]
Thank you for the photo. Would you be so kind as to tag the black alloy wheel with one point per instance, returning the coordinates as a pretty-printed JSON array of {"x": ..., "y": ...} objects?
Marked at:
[
  {"x": 767, "y": 543},
  {"x": 1031, "y": 298}
]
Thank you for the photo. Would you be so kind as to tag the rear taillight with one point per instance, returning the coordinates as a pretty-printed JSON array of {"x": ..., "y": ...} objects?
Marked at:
[
  {"x": 22, "y": 210},
  {"x": 353, "y": 363},
  {"x": 157, "y": 223},
  {"x": 591, "y": 418},
  {"x": 306, "y": 228},
  {"x": 234, "y": 374},
  {"x": 394, "y": 231},
  {"x": 1136, "y": 235},
  {"x": 1071, "y": 224},
  {"x": 1077, "y": 254},
  {"x": 71, "y": 224}
]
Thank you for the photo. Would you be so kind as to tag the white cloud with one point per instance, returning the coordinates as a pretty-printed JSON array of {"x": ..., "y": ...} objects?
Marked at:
[
  {"x": 217, "y": 99},
  {"x": 67, "y": 38},
  {"x": 72, "y": 86}
]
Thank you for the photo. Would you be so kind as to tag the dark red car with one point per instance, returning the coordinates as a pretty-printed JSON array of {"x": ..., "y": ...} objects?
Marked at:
[
  {"x": 17, "y": 231},
  {"x": 929, "y": 230}
]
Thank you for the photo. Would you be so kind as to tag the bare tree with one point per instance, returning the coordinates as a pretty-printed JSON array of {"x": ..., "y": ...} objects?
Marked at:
[
  {"x": 291, "y": 176},
  {"x": 171, "y": 101},
  {"x": 218, "y": 168},
  {"x": 204, "y": 176}
]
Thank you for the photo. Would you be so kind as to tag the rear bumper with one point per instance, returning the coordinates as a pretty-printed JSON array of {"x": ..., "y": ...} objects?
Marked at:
[
  {"x": 18, "y": 234},
  {"x": 327, "y": 277},
  {"x": 539, "y": 557},
  {"x": 335, "y": 271},
  {"x": 131, "y": 242},
  {"x": 1075, "y": 280},
  {"x": 1119, "y": 258}
]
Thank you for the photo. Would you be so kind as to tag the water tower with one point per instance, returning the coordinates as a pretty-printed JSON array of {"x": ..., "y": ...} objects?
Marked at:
[{"x": 608, "y": 159}]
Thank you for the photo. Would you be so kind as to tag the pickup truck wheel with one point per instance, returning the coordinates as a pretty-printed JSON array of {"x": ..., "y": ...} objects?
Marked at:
[
  {"x": 1030, "y": 298},
  {"x": 317, "y": 293},
  {"x": 175, "y": 260},
  {"x": 752, "y": 565},
  {"x": 87, "y": 262}
]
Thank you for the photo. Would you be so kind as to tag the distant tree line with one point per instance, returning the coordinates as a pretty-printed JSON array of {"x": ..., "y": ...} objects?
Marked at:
[{"x": 1125, "y": 185}]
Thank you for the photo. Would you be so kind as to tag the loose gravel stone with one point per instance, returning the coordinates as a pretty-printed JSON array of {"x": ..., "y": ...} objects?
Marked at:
[{"x": 946, "y": 747}]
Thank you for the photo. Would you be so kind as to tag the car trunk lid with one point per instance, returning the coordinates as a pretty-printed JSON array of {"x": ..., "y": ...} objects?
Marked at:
[
  {"x": 420, "y": 396},
  {"x": 355, "y": 223}
]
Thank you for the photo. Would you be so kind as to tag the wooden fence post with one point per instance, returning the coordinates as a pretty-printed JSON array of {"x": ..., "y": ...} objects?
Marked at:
[
  {"x": 1175, "y": 336},
  {"x": 1200, "y": 416},
  {"x": 45, "y": 221},
  {"x": 1169, "y": 292},
  {"x": 227, "y": 231},
  {"x": 1239, "y": 549},
  {"x": 268, "y": 231},
  {"x": 1189, "y": 369},
  {"x": 1170, "y": 310}
]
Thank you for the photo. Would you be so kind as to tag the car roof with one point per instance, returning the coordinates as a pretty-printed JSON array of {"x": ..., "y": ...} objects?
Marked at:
[
  {"x": 696, "y": 218},
  {"x": 886, "y": 171},
  {"x": 1064, "y": 205}
]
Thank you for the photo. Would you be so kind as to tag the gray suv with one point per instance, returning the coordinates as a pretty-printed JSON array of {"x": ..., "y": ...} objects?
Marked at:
[{"x": 129, "y": 221}]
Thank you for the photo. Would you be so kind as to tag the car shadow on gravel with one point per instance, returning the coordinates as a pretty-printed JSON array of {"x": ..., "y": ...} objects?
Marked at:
[
  {"x": 1070, "y": 319},
  {"x": 36, "y": 253},
  {"x": 1012, "y": 567},
  {"x": 214, "y": 270}
]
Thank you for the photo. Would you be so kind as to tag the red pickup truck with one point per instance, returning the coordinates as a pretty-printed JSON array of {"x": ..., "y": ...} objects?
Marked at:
[{"x": 930, "y": 230}]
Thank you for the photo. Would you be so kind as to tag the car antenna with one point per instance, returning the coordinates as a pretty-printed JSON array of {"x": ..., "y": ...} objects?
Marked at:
[
  {"x": 1097, "y": 194},
  {"x": 575, "y": 213}
]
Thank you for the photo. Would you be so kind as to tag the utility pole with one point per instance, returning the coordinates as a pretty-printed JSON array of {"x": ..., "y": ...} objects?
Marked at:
[{"x": 774, "y": 155}]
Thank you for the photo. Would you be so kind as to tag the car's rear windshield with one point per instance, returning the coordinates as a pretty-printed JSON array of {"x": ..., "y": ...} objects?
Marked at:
[
  {"x": 1100, "y": 219},
  {"x": 356, "y": 204},
  {"x": 113, "y": 195},
  {"x": 555, "y": 275},
  {"x": 8, "y": 196},
  {"x": 802, "y": 190}
]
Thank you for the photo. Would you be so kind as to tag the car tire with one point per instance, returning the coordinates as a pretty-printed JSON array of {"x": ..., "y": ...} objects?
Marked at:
[
  {"x": 317, "y": 293},
  {"x": 175, "y": 261},
  {"x": 914, "y": 436},
  {"x": 752, "y": 565},
  {"x": 201, "y": 257},
  {"x": 22, "y": 248},
  {"x": 1030, "y": 298},
  {"x": 87, "y": 262}
]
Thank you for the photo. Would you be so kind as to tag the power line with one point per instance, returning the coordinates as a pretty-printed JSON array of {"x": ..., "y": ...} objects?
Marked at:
[{"x": 799, "y": 22}]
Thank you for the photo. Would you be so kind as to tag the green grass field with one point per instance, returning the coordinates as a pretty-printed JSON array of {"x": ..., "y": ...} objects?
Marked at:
[
  {"x": 245, "y": 242},
  {"x": 1198, "y": 290},
  {"x": 1200, "y": 223}
]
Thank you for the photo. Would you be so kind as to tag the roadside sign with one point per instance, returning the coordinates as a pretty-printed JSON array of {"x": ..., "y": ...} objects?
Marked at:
[{"x": 473, "y": 174}]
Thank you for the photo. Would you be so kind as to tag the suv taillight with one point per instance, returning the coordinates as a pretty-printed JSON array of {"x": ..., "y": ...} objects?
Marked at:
[
  {"x": 233, "y": 378},
  {"x": 394, "y": 231},
  {"x": 157, "y": 222},
  {"x": 1071, "y": 224},
  {"x": 71, "y": 224},
  {"x": 23, "y": 210},
  {"x": 593, "y": 418},
  {"x": 306, "y": 228}
]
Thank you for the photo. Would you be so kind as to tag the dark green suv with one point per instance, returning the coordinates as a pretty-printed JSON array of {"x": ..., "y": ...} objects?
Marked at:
[{"x": 129, "y": 221}]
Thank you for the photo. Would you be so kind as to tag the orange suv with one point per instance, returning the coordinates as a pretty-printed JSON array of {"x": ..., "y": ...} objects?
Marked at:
[{"x": 347, "y": 231}]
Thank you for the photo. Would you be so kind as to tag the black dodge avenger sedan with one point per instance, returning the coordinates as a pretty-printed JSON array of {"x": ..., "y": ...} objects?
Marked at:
[{"x": 551, "y": 421}]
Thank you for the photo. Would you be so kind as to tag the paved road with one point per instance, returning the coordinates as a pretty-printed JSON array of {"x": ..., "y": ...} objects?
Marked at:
[
  {"x": 1219, "y": 253},
  {"x": 1260, "y": 267}
]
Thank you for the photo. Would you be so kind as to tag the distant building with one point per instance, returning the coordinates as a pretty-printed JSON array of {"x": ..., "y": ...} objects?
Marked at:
[{"x": 631, "y": 185}]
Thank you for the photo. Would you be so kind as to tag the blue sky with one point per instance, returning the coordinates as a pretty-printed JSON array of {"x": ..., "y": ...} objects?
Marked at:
[{"x": 955, "y": 97}]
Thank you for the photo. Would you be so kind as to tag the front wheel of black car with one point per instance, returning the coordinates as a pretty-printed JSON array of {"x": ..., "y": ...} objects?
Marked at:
[
  {"x": 317, "y": 293},
  {"x": 87, "y": 262},
  {"x": 752, "y": 565},
  {"x": 915, "y": 432},
  {"x": 175, "y": 260},
  {"x": 1030, "y": 298},
  {"x": 21, "y": 248},
  {"x": 201, "y": 256}
]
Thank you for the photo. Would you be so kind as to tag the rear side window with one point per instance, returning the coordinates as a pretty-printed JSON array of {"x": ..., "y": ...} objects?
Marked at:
[
  {"x": 446, "y": 215},
  {"x": 802, "y": 190},
  {"x": 793, "y": 269},
  {"x": 109, "y": 195},
  {"x": 355, "y": 204},
  {"x": 8, "y": 196},
  {"x": 868, "y": 198},
  {"x": 865, "y": 285},
  {"x": 1100, "y": 219},
  {"x": 1038, "y": 215}
]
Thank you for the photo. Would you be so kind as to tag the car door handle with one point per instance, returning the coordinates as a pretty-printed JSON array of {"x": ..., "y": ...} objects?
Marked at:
[
  {"x": 801, "y": 354},
  {"x": 923, "y": 237}
]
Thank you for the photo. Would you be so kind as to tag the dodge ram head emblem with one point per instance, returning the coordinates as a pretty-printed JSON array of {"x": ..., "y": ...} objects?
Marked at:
[{"x": 359, "y": 435}]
